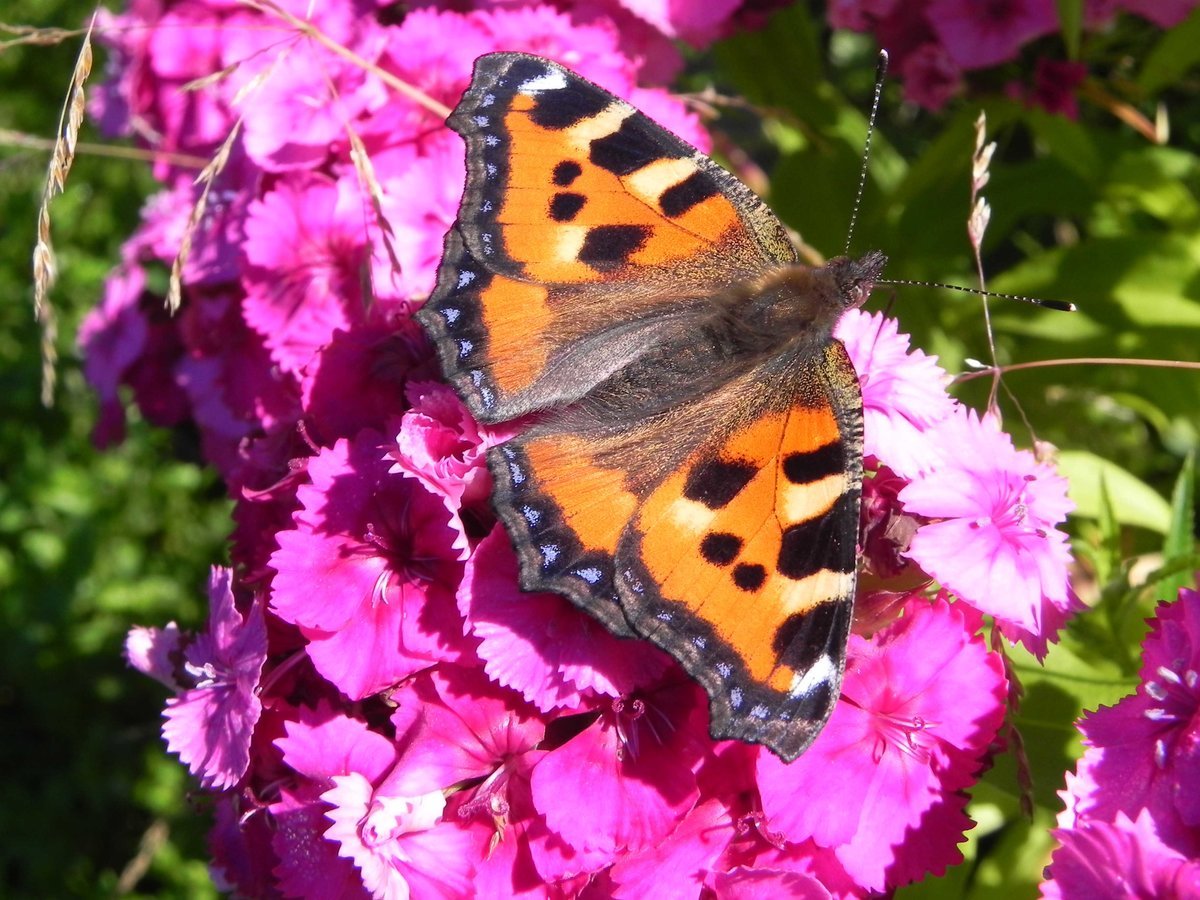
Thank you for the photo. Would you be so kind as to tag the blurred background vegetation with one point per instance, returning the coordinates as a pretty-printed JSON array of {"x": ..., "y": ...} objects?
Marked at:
[{"x": 1089, "y": 210}]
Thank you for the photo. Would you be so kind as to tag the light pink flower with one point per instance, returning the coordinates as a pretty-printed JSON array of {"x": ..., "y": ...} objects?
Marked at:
[
  {"x": 991, "y": 537},
  {"x": 443, "y": 447},
  {"x": 904, "y": 391},
  {"x": 318, "y": 745},
  {"x": 400, "y": 843}
]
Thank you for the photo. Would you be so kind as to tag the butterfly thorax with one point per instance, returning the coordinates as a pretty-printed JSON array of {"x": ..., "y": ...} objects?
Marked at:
[{"x": 793, "y": 308}]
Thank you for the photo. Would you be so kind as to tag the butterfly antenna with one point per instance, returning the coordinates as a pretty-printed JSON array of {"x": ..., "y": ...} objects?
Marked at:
[
  {"x": 880, "y": 74},
  {"x": 1062, "y": 305}
]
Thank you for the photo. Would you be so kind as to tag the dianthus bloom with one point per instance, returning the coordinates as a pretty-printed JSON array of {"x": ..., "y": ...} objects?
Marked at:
[
  {"x": 1132, "y": 811},
  {"x": 377, "y": 708}
]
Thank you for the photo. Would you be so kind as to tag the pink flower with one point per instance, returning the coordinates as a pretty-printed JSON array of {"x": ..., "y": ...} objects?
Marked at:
[
  {"x": 541, "y": 646},
  {"x": 1102, "y": 859},
  {"x": 369, "y": 571},
  {"x": 420, "y": 203},
  {"x": 991, "y": 538},
  {"x": 305, "y": 254},
  {"x": 905, "y": 740},
  {"x": 210, "y": 724},
  {"x": 358, "y": 379},
  {"x": 697, "y": 23},
  {"x": 904, "y": 391},
  {"x": 1144, "y": 752},
  {"x": 858, "y": 15},
  {"x": 441, "y": 446},
  {"x": 112, "y": 338},
  {"x": 297, "y": 99},
  {"x": 398, "y": 841},
  {"x": 981, "y": 34},
  {"x": 319, "y": 745},
  {"x": 593, "y": 50}
]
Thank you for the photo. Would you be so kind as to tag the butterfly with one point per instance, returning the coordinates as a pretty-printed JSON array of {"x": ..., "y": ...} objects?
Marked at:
[{"x": 690, "y": 472}]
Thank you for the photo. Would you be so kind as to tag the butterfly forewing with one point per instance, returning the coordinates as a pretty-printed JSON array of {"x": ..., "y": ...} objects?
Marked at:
[{"x": 582, "y": 223}]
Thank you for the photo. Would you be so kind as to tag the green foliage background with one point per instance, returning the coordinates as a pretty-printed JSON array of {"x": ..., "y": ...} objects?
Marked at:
[{"x": 1090, "y": 211}]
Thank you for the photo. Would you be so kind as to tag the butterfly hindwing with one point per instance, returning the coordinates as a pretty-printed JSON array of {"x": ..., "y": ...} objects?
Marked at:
[
  {"x": 566, "y": 514},
  {"x": 582, "y": 223},
  {"x": 742, "y": 562}
]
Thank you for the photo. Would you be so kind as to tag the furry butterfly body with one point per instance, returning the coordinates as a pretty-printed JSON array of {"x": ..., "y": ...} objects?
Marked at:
[{"x": 693, "y": 471}]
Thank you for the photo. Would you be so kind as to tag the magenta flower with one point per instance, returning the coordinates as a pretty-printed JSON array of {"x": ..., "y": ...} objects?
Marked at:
[
  {"x": 991, "y": 535},
  {"x": 210, "y": 724},
  {"x": 931, "y": 78},
  {"x": 904, "y": 391},
  {"x": 1122, "y": 858},
  {"x": 981, "y": 34},
  {"x": 633, "y": 772},
  {"x": 369, "y": 571},
  {"x": 304, "y": 253},
  {"x": 1144, "y": 752},
  {"x": 1163, "y": 13},
  {"x": 905, "y": 740},
  {"x": 540, "y": 645},
  {"x": 318, "y": 745}
]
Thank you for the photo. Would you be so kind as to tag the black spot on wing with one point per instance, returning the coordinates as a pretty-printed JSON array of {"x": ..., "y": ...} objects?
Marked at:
[
  {"x": 561, "y": 108},
  {"x": 813, "y": 465},
  {"x": 828, "y": 541},
  {"x": 609, "y": 247},
  {"x": 566, "y": 172},
  {"x": 692, "y": 191},
  {"x": 716, "y": 482},
  {"x": 749, "y": 576},
  {"x": 805, "y": 637},
  {"x": 720, "y": 548},
  {"x": 565, "y": 206},
  {"x": 629, "y": 148}
]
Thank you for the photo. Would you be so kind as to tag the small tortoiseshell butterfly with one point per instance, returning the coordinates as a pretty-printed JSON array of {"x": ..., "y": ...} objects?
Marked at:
[{"x": 694, "y": 474}]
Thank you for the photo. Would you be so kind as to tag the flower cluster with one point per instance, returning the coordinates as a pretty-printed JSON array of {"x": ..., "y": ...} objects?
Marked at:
[
  {"x": 935, "y": 45},
  {"x": 1132, "y": 812},
  {"x": 375, "y": 707}
]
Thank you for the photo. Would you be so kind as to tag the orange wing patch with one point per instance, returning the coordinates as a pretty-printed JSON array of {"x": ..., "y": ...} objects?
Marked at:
[{"x": 566, "y": 514}]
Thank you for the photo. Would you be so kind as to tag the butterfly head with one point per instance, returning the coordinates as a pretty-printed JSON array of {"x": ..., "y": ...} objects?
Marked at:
[{"x": 856, "y": 277}]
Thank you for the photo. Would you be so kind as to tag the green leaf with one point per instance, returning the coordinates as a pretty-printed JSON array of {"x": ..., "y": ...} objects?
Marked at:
[
  {"x": 1180, "y": 533},
  {"x": 1174, "y": 55},
  {"x": 1134, "y": 502},
  {"x": 1070, "y": 22}
]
